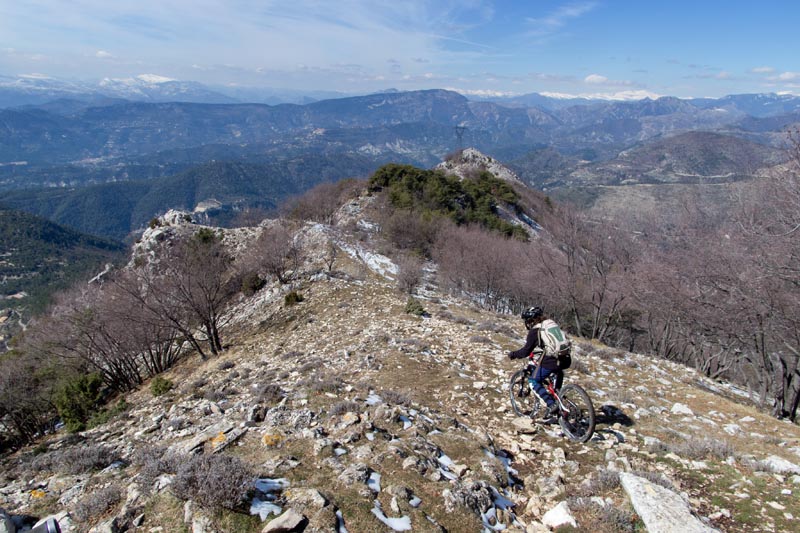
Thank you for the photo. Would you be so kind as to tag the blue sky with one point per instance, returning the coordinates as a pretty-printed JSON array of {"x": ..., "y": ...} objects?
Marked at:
[{"x": 581, "y": 47}]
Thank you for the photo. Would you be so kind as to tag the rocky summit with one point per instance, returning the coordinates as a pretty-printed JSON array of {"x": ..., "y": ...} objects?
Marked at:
[{"x": 341, "y": 411}]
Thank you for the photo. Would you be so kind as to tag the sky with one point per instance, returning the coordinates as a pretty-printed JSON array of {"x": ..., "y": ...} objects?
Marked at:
[{"x": 612, "y": 48}]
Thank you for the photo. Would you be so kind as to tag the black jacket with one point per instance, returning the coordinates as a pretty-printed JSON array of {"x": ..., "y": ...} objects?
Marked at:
[{"x": 533, "y": 341}]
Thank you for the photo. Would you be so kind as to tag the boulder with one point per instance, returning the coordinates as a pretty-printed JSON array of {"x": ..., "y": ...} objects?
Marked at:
[
  {"x": 558, "y": 516},
  {"x": 661, "y": 510},
  {"x": 780, "y": 465},
  {"x": 288, "y": 522},
  {"x": 681, "y": 409}
]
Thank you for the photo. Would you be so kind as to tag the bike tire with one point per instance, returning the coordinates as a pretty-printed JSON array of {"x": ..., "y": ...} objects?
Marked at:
[
  {"x": 578, "y": 421},
  {"x": 523, "y": 398}
]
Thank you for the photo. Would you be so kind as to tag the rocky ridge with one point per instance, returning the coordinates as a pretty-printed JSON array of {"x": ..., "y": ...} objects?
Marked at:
[{"x": 359, "y": 416}]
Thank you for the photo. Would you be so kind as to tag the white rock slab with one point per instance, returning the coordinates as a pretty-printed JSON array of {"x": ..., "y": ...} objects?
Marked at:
[
  {"x": 780, "y": 465},
  {"x": 662, "y": 510},
  {"x": 681, "y": 409},
  {"x": 559, "y": 515}
]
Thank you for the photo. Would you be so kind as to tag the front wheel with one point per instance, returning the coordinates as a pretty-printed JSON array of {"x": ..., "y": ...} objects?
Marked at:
[
  {"x": 523, "y": 399},
  {"x": 577, "y": 418}
]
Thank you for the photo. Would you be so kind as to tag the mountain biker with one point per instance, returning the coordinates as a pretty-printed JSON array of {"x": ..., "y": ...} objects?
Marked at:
[{"x": 533, "y": 318}]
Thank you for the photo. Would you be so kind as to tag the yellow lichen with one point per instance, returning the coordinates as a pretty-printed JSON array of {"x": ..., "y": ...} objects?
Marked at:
[
  {"x": 217, "y": 441},
  {"x": 272, "y": 439}
]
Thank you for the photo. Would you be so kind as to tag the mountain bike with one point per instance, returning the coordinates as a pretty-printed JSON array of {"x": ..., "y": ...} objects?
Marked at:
[{"x": 576, "y": 412}]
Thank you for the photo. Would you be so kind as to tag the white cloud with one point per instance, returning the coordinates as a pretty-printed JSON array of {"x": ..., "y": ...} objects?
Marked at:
[
  {"x": 788, "y": 76},
  {"x": 554, "y": 21},
  {"x": 762, "y": 70},
  {"x": 102, "y": 54},
  {"x": 595, "y": 79}
]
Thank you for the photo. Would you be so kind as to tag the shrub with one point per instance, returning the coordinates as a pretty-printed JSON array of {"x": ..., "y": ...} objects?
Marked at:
[
  {"x": 656, "y": 478},
  {"x": 409, "y": 273},
  {"x": 328, "y": 384},
  {"x": 414, "y": 307},
  {"x": 252, "y": 283},
  {"x": 75, "y": 460},
  {"x": 216, "y": 481},
  {"x": 104, "y": 415},
  {"x": 293, "y": 298},
  {"x": 78, "y": 399},
  {"x": 154, "y": 223},
  {"x": 160, "y": 385},
  {"x": 225, "y": 365},
  {"x": 603, "y": 481},
  {"x": 97, "y": 503},
  {"x": 269, "y": 392},
  {"x": 396, "y": 398},
  {"x": 703, "y": 448},
  {"x": 603, "y": 517},
  {"x": 346, "y": 406}
]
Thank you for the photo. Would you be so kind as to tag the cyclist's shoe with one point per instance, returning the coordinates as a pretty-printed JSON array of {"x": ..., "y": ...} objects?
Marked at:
[{"x": 552, "y": 410}]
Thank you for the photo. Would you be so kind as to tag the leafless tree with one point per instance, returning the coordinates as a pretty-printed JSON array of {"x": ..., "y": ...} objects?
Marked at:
[
  {"x": 275, "y": 253},
  {"x": 331, "y": 253},
  {"x": 409, "y": 273}
]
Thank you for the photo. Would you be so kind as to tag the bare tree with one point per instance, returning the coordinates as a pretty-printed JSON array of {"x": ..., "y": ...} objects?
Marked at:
[
  {"x": 275, "y": 253},
  {"x": 331, "y": 253},
  {"x": 409, "y": 273}
]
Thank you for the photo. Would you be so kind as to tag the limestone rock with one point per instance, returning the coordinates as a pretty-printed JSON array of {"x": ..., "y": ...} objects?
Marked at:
[
  {"x": 681, "y": 409},
  {"x": 558, "y": 516},
  {"x": 780, "y": 465},
  {"x": 288, "y": 522},
  {"x": 525, "y": 426},
  {"x": 662, "y": 510}
]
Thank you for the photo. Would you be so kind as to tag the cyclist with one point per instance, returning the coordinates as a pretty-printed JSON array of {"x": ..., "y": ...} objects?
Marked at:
[{"x": 533, "y": 318}]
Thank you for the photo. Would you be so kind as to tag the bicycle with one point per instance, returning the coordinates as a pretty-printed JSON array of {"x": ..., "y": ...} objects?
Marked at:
[{"x": 576, "y": 412}]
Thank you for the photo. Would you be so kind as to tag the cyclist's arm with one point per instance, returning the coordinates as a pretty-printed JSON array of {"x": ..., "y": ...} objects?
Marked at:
[{"x": 530, "y": 343}]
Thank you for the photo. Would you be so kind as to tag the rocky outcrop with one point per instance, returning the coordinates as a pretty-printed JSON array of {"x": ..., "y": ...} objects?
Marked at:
[{"x": 662, "y": 510}]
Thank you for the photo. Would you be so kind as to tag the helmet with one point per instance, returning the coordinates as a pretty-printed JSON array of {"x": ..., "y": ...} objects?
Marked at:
[{"x": 531, "y": 314}]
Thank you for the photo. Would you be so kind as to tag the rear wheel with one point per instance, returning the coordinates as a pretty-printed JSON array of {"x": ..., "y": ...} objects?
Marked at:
[
  {"x": 577, "y": 420},
  {"x": 523, "y": 399}
]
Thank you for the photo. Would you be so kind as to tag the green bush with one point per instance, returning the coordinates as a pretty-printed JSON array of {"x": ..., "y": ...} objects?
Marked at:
[
  {"x": 293, "y": 298},
  {"x": 472, "y": 200},
  {"x": 78, "y": 400},
  {"x": 206, "y": 236},
  {"x": 154, "y": 223},
  {"x": 414, "y": 307},
  {"x": 104, "y": 415},
  {"x": 160, "y": 385}
]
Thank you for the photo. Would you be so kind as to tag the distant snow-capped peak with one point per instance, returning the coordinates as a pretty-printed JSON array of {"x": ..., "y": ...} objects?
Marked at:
[{"x": 141, "y": 79}]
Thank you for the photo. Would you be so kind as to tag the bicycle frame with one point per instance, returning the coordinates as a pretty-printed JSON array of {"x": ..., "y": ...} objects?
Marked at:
[{"x": 547, "y": 382}]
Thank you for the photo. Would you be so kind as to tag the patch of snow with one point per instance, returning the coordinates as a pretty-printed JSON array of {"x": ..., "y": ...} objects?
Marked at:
[
  {"x": 374, "y": 482},
  {"x": 268, "y": 485},
  {"x": 340, "y": 522},
  {"x": 396, "y": 524},
  {"x": 445, "y": 461},
  {"x": 264, "y": 509},
  {"x": 500, "y": 501},
  {"x": 491, "y": 516},
  {"x": 449, "y": 475}
]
